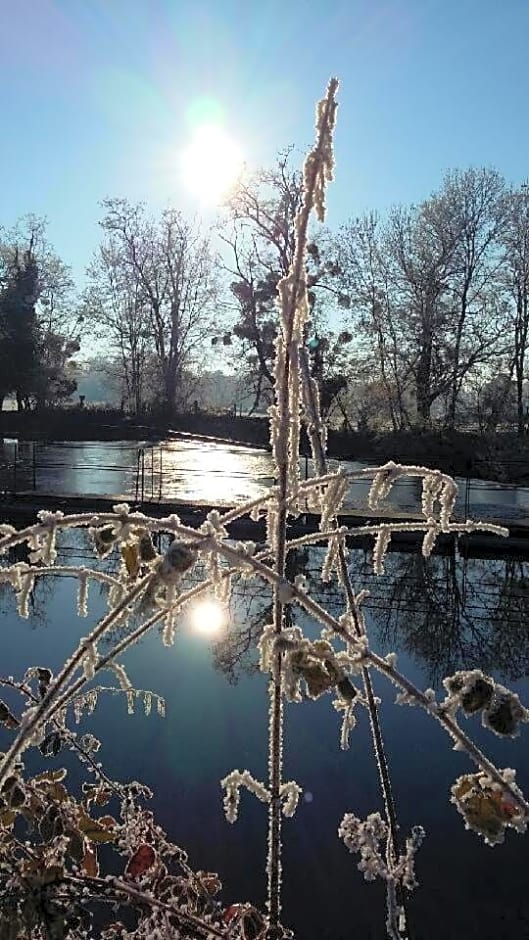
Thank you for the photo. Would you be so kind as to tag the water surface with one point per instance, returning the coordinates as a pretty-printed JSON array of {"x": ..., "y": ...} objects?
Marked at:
[
  {"x": 439, "y": 615},
  {"x": 193, "y": 471}
]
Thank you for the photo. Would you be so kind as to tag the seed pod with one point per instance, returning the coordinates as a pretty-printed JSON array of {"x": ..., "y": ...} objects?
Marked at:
[
  {"x": 178, "y": 559},
  {"x": 51, "y": 745},
  {"x": 347, "y": 689},
  {"x": 476, "y": 696},
  {"x": 454, "y": 684},
  {"x": 104, "y": 538},
  {"x": 146, "y": 547},
  {"x": 44, "y": 676},
  {"x": 16, "y": 797},
  {"x": 6, "y": 717},
  {"x": 503, "y": 715}
]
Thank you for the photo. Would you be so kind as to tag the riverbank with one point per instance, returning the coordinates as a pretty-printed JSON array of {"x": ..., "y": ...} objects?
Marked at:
[{"x": 501, "y": 457}]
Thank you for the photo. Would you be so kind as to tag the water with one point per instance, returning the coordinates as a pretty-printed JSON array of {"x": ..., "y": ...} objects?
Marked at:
[
  {"x": 192, "y": 471},
  {"x": 439, "y": 615}
]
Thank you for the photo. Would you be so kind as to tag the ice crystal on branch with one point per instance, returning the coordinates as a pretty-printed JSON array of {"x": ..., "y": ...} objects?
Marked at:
[
  {"x": 367, "y": 837},
  {"x": 232, "y": 784}
]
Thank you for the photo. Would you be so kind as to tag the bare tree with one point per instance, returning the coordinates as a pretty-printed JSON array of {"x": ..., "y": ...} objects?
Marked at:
[
  {"x": 516, "y": 277},
  {"x": 470, "y": 208},
  {"x": 167, "y": 267},
  {"x": 261, "y": 243},
  {"x": 364, "y": 279},
  {"x": 114, "y": 300},
  {"x": 425, "y": 292}
]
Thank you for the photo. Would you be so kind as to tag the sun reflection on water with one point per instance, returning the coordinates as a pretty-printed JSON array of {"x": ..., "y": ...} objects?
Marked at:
[
  {"x": 214, "y": 473},
  {"x": 208, "y": 616}
]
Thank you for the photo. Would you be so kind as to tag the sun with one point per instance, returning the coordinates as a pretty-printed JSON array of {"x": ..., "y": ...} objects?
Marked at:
[
  {"x": 208, "y": 616},
  {"x": 211, "y": 164}
]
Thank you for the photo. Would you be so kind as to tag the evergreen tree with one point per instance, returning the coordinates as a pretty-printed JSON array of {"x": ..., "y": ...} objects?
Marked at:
[{"x": 18, "y": 328}]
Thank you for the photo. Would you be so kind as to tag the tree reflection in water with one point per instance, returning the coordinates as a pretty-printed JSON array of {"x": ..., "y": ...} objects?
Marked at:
[
  {"x": 508, "y": 582},
  {"x": 448, "y": 611}
]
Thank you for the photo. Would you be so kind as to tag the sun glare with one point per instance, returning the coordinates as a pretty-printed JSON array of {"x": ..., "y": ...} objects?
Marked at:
[
  {"x": 208, "y": 616},
  {"x": 211, "y": 164}
]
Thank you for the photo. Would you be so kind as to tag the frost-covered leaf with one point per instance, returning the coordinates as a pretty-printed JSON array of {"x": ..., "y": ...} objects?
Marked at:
[
  {"x": 6, "y": 717},
  {"x": 93, "y": 830},
  {"x": 144, "y": 858},
  {"x": 131, "y": 558},
  {"x": 89, "y": 863},
  {"x": 485, "y": 807}
]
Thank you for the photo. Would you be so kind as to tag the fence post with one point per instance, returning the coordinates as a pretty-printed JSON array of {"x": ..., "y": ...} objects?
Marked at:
[
  {"x": 467, "y": 498},
  {"x": 160, "y": 471},
  {"x": 142, "y": 475},
  {"x": 138, "y": 457}
]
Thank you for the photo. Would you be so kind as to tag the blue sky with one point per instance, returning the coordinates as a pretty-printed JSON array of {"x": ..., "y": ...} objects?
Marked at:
[{"x": 97, "y": 97}]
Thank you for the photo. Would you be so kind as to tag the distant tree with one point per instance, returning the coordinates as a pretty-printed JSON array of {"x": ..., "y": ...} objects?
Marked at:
[
  {"x": 159, "y": 273},
  {"x": 516, "y": 278},
  {"x": 261, "y": 242},
  {"x": 262, "y": 213},
  {"x": 18, "y": 328},
  {"x": 330, "y": 366},
  {"x": 425, "y": 292},
  {"x": 40, "y": 318},
  {"x": 364, "y": 276},
  {"x": 496, "y": 401},
  {"x": 115, "y": 303},
  {"x": 470, "y": 211}
]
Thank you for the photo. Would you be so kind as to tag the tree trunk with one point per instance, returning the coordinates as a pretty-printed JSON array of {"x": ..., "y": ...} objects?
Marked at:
[{"x": 422, "y": 384}]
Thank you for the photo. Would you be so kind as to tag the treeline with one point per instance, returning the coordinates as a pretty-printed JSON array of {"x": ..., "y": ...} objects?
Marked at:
[{"x": 419, "y": 318}]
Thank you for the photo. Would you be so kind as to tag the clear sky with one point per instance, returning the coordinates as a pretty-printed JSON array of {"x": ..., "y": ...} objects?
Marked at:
[{"x": 99, "y": 96}]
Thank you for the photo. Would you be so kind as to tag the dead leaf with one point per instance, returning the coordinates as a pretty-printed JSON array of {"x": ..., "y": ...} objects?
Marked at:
[
  {"x": 144, "y": 858},
  {"x": 7, "y": 818},
  {"x": 131, "y": 557},
  {"x": 89, "y": 864},
  {"x": 93, "y": 830},
  {"x": 6, "y": 717},
  {"x": 50, "y": 776}
]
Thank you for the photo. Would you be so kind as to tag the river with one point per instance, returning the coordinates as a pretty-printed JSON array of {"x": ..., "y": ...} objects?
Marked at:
[
  {"x": 438, "y": 615},
  {"x": 191, "y": 471}
]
